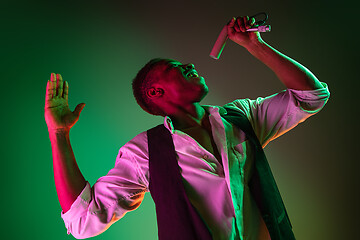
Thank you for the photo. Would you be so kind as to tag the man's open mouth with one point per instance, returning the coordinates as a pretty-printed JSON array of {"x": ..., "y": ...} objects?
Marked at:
[{"x": 192, "y": 73}]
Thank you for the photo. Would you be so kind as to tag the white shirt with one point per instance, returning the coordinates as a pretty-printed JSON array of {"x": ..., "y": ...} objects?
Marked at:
[{"x": 218, "y": 191}]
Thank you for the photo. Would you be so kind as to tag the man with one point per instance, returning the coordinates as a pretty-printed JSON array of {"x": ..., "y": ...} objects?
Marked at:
[{"x": 215, "y": 157}]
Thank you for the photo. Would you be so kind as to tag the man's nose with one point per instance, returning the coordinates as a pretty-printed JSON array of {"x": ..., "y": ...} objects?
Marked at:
[{"x": 189, "y": 66}]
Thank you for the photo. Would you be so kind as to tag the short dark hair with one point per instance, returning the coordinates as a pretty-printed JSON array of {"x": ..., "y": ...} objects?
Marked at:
[{"x": 141, "y": 83}]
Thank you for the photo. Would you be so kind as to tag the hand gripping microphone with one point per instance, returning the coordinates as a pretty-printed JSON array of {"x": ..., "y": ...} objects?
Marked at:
[{"x": 223, "y": 36}]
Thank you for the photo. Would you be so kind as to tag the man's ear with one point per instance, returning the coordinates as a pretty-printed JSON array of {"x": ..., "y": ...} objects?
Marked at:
[{"x": 154, "y": 92}]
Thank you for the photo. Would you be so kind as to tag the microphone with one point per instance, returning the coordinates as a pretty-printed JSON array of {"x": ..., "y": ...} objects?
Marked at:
[{"x": 223, "y": 36}]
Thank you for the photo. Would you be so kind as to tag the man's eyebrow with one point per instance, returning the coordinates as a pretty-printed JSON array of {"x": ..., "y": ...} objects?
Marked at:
[
  {"x": 175, "y": 63},
  {"x": 171, "y": 64}
]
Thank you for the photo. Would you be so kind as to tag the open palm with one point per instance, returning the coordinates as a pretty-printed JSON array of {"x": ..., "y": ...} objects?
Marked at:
[{"x": 57, "y": 112}]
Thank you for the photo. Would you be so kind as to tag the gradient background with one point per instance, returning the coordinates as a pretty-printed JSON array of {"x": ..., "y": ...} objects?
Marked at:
[{"x": 99, "y": 47}]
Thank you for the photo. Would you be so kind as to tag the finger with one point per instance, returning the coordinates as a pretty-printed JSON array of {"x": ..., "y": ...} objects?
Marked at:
[
  {"x": 231, "y": 23},
  {"x": 51, "y": 87},
  {"x": 237, "y": 26},
  {"x": 48, "y": 94},
  {"x": 241, "y": 24},
  {"x": 66, "y": 90},
  {"x": 78, "y": 109},
  {"x": 230, "y": 26},
  {"x": 53, "y": 84},
  {"x": 246, "y": 22},
  {"x": 52, "y": 77},
  {"x": 252, "y": 21},
  {"x": 60, "y": 85}
]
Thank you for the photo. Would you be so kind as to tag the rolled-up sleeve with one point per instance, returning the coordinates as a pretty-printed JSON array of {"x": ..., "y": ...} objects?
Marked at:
[
  {"x": 114, "y": 194},
  {"x": 274, "y": 115}
]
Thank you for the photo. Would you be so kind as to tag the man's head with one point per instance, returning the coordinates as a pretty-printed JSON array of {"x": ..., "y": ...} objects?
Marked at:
[{"x": 163, "y": 85}]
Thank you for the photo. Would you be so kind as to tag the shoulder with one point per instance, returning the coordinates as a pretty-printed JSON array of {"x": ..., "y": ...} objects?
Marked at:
[
  {"x": 243, "y": 106},
  {"x": 137, "y": 146}
]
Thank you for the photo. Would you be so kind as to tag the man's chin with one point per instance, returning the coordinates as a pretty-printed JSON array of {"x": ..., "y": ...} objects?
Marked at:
[{"x": 204, "y": 92}]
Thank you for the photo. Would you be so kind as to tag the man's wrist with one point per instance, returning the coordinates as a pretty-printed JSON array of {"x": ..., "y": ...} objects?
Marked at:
[
  {"x": 55, "y": 132},
  {"x": 255, "y": 46}
]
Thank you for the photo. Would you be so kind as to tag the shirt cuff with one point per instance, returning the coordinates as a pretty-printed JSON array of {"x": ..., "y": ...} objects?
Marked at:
[
  {"x": 79, "y": 206},
  {"x": 312, "y": 100},
  {"x": 310, "y": 94}
]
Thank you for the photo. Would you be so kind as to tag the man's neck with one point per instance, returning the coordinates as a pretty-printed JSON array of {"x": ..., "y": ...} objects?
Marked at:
[{"x": 191, "y": 116}]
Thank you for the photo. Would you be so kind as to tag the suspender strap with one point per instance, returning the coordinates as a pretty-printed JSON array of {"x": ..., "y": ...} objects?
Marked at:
[
  {"x": 177, "y": 218},
  {"x": 262, "y": 185}
]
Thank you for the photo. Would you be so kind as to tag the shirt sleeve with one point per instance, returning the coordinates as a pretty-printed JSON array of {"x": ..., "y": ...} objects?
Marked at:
[
  {"x": 275, "y": 115},
  {"x": 113, "y": 195}
]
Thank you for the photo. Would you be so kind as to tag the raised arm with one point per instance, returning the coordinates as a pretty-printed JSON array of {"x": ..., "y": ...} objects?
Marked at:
[
  {"x": 291, "y": 73},
  {"x": 69, "y": 181}
]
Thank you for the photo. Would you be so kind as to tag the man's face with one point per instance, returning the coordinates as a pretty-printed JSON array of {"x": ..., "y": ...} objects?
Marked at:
[{"x": 181, "y": 81}]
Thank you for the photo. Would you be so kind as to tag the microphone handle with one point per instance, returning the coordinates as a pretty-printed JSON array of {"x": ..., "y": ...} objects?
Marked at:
[
  {"x": 263, "y": 28},
  {"x": 219, "y": 44}
]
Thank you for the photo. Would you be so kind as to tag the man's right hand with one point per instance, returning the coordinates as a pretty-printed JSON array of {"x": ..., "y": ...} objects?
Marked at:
[{"x": 58, "y": 116}]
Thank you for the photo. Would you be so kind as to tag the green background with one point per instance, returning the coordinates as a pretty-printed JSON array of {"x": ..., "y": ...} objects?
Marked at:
[{"x": 98, "y": 47}]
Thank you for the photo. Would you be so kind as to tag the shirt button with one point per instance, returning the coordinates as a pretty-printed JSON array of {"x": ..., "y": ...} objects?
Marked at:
[{"x": 206, "y": 156}]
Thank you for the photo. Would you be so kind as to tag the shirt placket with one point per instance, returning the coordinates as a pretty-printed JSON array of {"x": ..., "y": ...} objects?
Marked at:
[
  {"x": 235, "y": 176},
  {"x": 237, "y": 184},
  {"x": 233, "y": 170}
]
